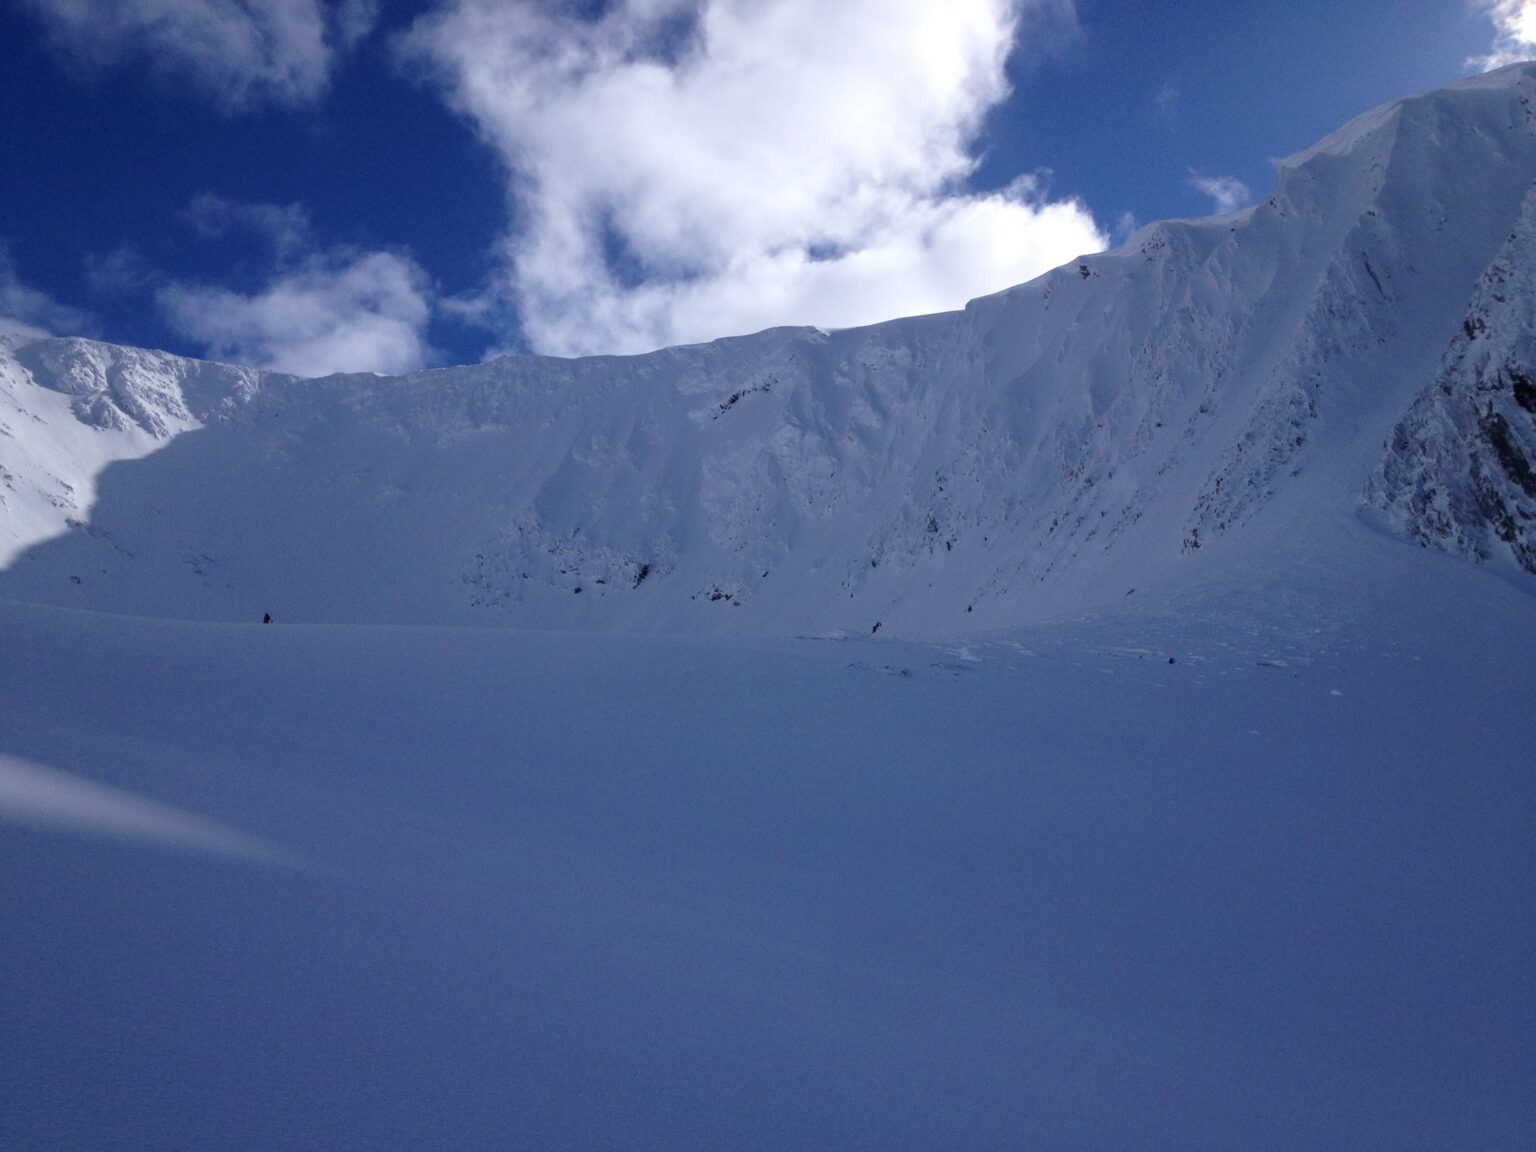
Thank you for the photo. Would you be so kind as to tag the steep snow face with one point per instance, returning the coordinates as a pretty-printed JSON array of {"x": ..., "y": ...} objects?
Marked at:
[
  {"x": 1210, "y": 389},
  {"x": 1460, "y": 469},
  {"x": 68, "y": 408}
]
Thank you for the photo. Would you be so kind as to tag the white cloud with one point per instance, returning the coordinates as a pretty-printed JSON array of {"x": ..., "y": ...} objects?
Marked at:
[
  {"x": 1514, "y": 23},
  {"x": 31, "y": 314},
  {"x": 341, "y": 312},
  {"x": 243, "y": 52},
  {"x": 685, "y": 169},
  {"x": 285, "y": 225},
  {"x": 1227, "y": 193},
  {"x": 120, "y": 272},
  {"x": 354, "y": 20}
]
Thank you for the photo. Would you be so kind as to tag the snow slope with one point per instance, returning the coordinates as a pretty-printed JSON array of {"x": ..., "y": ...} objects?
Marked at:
[
  {"x": 69, "y": 408},
  {"x": 1138, "y": 416},
  {"x": 318, "y": 887}
]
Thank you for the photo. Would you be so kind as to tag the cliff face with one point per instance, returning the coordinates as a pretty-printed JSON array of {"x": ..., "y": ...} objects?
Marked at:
[{"x": 1460, "y": 469}]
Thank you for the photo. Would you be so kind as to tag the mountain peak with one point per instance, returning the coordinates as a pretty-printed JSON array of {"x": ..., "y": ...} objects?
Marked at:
[{"x": 1518, "y": 80}]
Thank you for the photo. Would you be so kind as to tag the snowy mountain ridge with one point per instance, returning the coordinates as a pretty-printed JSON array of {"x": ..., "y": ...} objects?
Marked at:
[{"x": 1207, "y": 391}]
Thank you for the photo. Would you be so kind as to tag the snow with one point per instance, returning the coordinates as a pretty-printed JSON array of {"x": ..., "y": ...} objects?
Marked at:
[
  {"x": 98, "y": 404},
  {"x": 516, "y": 889},
  {"x": 1458, "y": 471},
  {"x": 1010, "y": 728}
]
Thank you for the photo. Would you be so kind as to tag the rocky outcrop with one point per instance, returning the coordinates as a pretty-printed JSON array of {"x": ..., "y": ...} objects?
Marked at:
[{"x": 1459, "y": 472}]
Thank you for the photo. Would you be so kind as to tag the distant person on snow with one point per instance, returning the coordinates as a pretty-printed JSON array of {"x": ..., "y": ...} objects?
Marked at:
[{"x": 266, "y": 617}]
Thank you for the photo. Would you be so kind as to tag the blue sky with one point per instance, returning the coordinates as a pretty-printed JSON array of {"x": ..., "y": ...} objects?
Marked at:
[{"x": 322, "y": 186}]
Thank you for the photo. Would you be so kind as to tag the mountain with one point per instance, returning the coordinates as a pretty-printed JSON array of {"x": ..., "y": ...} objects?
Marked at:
[{"x": 1213, "y": 390}]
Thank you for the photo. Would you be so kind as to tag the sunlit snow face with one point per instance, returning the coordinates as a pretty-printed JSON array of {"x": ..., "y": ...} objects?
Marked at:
[{"x": 684, "y": 169}]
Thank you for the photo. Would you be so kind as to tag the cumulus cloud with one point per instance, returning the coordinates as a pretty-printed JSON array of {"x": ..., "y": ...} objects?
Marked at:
[
  {"x": 28, "y": 313},
  {"x": 243, "y": 52},
  {"x": 341, "y": 311},
  {"x": 367, "y": 313},
  {"x": 1514, "y": 23},
  {"x": 685, "y": 169},
  {"x": 1227, "y": 193}
]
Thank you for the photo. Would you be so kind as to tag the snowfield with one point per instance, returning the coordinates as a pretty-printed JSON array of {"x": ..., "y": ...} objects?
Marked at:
[
  {"x": 433, "y": 888},
  {"x": 1097, "y": 719}
]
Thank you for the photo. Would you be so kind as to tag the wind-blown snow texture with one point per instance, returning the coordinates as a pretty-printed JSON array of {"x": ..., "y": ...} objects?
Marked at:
[{"x": 1212, "y": 384}]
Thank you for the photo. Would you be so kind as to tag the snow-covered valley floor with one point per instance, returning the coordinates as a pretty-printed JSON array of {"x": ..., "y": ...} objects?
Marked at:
[{"x": 1251, "y": 868}]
